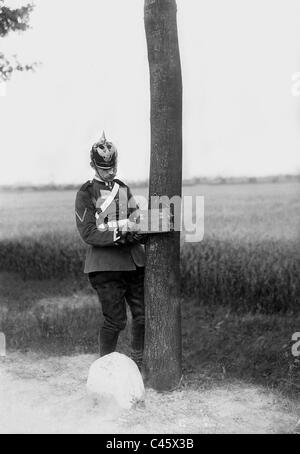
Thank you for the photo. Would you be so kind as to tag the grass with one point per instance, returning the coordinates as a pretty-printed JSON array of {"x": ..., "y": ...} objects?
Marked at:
[
  {"x": 248, "y": 260},
  {"x": 260, "y": 276},
  {"x": 218, "y": 344}
]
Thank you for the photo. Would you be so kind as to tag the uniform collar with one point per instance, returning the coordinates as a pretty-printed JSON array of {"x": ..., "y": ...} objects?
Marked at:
[{"x": 104, "y": 184}]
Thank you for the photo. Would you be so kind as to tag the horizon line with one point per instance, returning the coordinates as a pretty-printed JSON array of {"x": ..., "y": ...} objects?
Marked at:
[{"x": 145, "y": 182}]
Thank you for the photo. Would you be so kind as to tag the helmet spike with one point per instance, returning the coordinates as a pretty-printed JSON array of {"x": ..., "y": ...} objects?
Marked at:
[{"x": 103, "y": 138}]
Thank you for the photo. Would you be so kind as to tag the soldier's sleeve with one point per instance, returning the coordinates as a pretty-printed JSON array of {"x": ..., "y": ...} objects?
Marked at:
[{"x": 86, "y": 223}]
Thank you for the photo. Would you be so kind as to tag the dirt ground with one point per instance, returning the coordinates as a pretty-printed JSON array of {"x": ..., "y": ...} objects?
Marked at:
[{"x": 41, "y": 394}]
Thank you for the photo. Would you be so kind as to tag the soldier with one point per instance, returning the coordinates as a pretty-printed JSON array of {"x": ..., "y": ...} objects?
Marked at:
[{"x": 105, "y": 217}]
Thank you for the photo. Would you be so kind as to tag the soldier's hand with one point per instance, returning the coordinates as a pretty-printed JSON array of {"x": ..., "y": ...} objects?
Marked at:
[
  {"x": 134, "y": 237},
  {"x": 130, "y": 226},
  {"x": 122, "y": 237},
  {"x": 139, "y": 237}
]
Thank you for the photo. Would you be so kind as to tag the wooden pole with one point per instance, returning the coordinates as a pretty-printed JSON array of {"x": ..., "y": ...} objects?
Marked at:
[{"x": 162, "y": 359}]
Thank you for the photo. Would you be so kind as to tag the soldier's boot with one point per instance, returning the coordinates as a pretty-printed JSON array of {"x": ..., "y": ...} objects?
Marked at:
[
  {"x": 107, "y": 341},
  {"x": 137, "y": 343}
]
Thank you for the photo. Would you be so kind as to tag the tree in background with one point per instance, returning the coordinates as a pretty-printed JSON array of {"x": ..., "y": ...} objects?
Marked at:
[
  {"x": 162, "y": 278},
  {"x": 13, "y": 20}
]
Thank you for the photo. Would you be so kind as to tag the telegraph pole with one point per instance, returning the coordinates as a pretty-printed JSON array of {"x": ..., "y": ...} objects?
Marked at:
[{"x": 162, "y": 359}]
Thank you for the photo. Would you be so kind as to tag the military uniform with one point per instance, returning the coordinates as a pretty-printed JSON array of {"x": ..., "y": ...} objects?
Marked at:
[{"x": 114, "y": 265}]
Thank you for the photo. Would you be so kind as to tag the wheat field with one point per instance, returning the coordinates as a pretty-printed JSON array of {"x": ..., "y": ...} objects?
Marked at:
[{"x": 249, "y": 258}]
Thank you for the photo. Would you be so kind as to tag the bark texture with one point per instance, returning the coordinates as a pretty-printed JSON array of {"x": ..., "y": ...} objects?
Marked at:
[{"x": 162, "y": 360}]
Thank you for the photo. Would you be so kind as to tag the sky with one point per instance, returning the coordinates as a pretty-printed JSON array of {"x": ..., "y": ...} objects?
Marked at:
[{"x": 239, "y": 115}]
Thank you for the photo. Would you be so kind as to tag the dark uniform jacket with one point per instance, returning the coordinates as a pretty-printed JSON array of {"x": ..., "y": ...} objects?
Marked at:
[{"x": 104, "y": 252}]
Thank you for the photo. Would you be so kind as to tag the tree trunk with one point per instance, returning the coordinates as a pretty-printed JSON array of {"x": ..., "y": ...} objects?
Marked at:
[{"x": 162, "y": 359}]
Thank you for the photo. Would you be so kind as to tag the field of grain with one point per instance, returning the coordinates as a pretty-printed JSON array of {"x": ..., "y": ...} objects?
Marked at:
[
  {"x": 249, "y": 258},
  {"x": 232, "y": 211}
]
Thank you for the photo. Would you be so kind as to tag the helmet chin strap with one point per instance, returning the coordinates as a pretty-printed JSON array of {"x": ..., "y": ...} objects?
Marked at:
[{"x": 96, "y": 168}]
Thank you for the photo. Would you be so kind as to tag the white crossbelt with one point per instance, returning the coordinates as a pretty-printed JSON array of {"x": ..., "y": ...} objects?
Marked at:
[
  {"x": 110, "y": 198},
  {"x": 114, "y": 224}
]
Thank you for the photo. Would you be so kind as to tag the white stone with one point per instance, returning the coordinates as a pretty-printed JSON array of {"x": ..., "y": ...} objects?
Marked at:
[{"x": 116, "y": 378}]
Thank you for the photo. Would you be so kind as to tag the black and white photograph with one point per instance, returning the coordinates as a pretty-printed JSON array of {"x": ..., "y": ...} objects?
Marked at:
[{"x": 150, "y": 219}]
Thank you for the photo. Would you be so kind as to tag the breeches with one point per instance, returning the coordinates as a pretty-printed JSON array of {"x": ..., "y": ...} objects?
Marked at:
[{"x": 114, "y": 289}]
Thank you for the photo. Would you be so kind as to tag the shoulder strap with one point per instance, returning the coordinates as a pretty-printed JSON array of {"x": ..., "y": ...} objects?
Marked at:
[
  {"x": 86, "y": 188},
  {"x": 109, "y": 199},
  {"x": 85, "y": 185},
  {"x": 120, "y": 183}
]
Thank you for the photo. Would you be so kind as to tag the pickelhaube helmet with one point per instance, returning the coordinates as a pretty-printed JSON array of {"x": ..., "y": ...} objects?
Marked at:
[{"x": 104, "y": 154}]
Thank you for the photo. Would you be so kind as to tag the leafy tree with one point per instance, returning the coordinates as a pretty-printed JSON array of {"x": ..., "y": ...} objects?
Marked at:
[{"x": 13, "y": 20}]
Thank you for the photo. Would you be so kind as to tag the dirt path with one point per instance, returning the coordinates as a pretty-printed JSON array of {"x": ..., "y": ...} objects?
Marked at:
[{"x": 47, "y": 395}]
